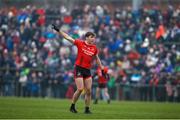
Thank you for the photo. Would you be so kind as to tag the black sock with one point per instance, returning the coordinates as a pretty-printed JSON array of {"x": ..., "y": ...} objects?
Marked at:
[
  {"x": 72, "y": 105},
  {"x": 86, "y": 108}
]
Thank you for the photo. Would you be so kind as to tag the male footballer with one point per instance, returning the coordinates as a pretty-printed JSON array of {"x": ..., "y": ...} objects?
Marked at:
[{"x": 87, "y": 50}]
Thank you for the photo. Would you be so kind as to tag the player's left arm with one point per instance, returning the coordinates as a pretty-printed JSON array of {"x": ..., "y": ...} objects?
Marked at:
[
  {"x": 99, "y": 62},
  {"x": 100, "y": 65}
]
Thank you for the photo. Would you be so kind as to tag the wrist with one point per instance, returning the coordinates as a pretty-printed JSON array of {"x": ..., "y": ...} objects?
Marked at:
[{"x": 102, "y": 67}]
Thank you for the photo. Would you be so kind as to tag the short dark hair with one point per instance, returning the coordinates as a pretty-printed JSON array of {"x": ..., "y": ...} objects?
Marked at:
[{"x": 90, "y": 34}]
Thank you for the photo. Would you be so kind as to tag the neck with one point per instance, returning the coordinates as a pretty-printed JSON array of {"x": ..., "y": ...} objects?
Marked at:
[{"x": 87, "y": 43}]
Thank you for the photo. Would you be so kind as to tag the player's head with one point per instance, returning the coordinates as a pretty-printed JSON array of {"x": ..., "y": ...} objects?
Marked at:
[{"x": 90, "y": 37}]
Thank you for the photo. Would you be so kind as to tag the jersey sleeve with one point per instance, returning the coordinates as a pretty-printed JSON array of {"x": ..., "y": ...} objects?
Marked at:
[{"x": 77, "y": 42}]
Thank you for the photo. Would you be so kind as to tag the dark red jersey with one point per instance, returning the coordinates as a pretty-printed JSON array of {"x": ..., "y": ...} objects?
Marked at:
[{"x": 85, "y": 54}]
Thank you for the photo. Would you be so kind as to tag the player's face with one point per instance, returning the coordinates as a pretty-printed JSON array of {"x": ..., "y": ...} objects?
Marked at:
[{"x": 90, "y": 39}]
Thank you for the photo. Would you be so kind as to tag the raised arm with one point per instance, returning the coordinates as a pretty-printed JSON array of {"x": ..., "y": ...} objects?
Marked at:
[{"x": 63, "y": 34}]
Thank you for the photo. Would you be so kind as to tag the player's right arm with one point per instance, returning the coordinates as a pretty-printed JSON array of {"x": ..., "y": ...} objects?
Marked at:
[{"x": 63, "y": 34}]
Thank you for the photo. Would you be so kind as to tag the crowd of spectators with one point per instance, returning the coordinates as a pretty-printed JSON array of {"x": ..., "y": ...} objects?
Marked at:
[{"x": 140, "y": 47}]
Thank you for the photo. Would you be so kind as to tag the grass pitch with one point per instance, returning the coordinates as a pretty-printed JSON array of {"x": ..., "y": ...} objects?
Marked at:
[{"x": 29, "y": 108}]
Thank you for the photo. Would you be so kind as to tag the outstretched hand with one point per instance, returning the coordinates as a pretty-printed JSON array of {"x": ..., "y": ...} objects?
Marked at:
[{"x": 54, "y": 27}]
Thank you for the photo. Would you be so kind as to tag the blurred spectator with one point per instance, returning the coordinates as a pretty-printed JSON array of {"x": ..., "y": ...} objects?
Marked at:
[
  {"x": 8, "y": 83},
  {"x": 137, "y": 45}
]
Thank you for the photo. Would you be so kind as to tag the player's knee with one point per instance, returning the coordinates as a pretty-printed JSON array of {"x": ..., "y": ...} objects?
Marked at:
[
  {"x": 88, "y": 92},
  {"x": 80, "y": 90}
]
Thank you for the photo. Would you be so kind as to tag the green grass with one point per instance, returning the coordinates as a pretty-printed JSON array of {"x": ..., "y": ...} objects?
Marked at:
[{"x": 12, "y": 107}]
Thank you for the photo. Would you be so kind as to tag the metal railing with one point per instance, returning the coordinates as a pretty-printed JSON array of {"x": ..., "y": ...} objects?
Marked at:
[{"x": 56, "y": 89}]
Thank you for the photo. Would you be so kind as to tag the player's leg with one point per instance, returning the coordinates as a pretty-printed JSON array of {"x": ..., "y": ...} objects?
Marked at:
[
  {"x": 80, "y": 87},
  {"x": 107, "y": 94},
  {"x": 87, "y": 86},
  {"x": 97, "y": 95}
]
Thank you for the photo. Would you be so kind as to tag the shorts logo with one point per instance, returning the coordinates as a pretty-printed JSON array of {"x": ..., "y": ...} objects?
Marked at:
[{"x": 78, "y": 74}]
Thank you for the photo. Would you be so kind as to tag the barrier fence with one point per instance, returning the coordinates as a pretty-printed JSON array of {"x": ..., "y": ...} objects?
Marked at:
[{"x": 14, "y": 85}]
